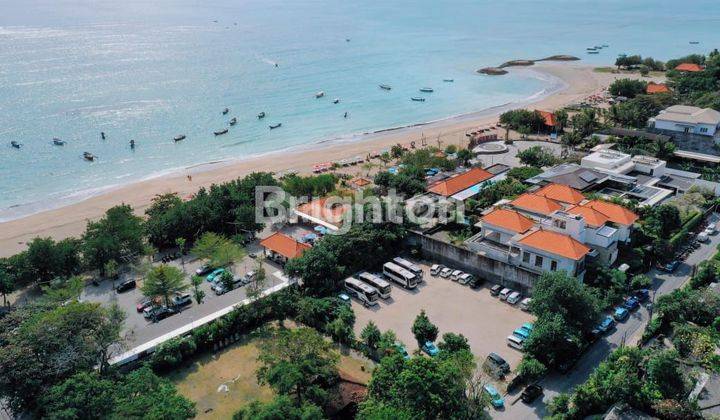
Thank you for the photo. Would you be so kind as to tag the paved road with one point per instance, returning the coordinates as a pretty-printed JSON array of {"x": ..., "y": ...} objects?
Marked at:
[{"x": 628, "y": 331}]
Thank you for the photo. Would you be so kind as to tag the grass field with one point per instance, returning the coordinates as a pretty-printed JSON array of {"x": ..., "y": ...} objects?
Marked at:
[{"x": 222, "y": 383}]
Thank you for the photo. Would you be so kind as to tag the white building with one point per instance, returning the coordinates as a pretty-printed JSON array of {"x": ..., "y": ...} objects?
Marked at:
[{"x": 688, "y": 120}]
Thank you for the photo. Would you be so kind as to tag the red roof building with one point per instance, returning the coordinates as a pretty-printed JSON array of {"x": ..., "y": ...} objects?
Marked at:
[
  {"x": 509, "y": 220},
  {"x": 561, "y": 193},
  {"x": 283, "y": 245},
  {"x": 461, "y": 182},
  {"x": 550, "y": 119},
  {"x": 556, "y": 243},
  {"x": 690, "y": 67},
  {"x": 656, "y": 88},
  {"x": 536, "y": 204}
]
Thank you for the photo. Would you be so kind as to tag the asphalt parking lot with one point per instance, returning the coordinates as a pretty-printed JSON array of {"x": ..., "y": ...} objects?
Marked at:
[
  {"x": 138, "y": 330},
  {"x": 483, "y": 319}
]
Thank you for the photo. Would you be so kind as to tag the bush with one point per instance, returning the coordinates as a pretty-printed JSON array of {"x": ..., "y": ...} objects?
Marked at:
[{"x": 628, "y": 88}]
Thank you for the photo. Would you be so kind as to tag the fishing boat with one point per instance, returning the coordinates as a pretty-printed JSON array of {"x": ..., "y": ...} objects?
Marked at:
[
  {"x": 220, "y": 132},
  {"x": 416, "y": 99},
  {"x": 448, "y": 80},
  {"x": 385, "y": 87},
  {"x": 320, "y": 94},
  {"x": 233, "y": 121},
  {"x": 336, "y": 100},
  {"x": 694, "y": 42},
  {"x": 591, "y": 48},
  {"x": 225, "y": 111},
  {"x": 261, "y": 115},
  {"x": 426, "y": 90},
  {"x": 88, "y": 156},
  {"x": 179, "y": 137},
  {"x": 274, "y": 126},
  {"x": 605, "y": 45},
  {"x": 58, "y": 142},
  {"x": 15, "y": 144},
  {"x": 593, "y": 52}
]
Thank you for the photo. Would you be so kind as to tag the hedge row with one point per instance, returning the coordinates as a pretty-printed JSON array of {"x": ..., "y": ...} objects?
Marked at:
[{"x": 688, "y": 227}]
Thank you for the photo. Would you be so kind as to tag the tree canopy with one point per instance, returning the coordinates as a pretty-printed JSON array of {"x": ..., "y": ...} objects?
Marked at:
[{"x": 117, "y": 236}]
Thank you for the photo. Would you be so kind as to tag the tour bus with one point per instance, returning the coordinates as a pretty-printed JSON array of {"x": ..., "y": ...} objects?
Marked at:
[
  {"x": 400, "y": 275},
  {"x": 366, "y": 294},
  {"x": 409, "y": 267},
  {"x": 377, "y": 283}
]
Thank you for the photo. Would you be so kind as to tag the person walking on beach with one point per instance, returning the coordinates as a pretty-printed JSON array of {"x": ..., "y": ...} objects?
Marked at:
[{"x": 189, "y": 178}]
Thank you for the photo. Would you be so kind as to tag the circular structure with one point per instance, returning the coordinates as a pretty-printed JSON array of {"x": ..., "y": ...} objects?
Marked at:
[{"x": 493, "y": 148}]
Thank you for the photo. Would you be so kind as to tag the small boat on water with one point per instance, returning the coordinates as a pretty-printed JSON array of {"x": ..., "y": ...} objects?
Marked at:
[
  {"x": 320, "y": 94},
  {"x": 448, "y": 80},
  {"x": 58, "y": 142},
  {"x": 274, "y": 126},
  {"x": 416, "y": 99},
  {"x": 233, "y": 121},
  {"x": 593, "y": 52},
  {"x": 336, "y": 100},
  {"x": 385, "y": 87},
  {"x": 225, "y": 111},
  {"x": 179, "y": 137},
  {"x": 88, "y": 156},
  {"x": 15, "y": 144},
  {"x": 132, "y": 144},
  {"x": 426, "y": 90},
  {"x": 694, "y": 42},
  {"x": 220, "y": 132},
  {"x": 261, "y": 115},
  {"x": 591, "y": 48},
  {"x": 102, "y": 135},
  {"x": 605, "y": 45}
]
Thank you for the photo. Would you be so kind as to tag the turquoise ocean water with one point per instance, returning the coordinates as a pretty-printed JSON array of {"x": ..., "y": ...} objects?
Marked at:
[{"x": 149, "y": 70}]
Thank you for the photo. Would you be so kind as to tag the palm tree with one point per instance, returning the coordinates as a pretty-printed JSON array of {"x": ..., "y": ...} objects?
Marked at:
[{"x": 164, "y": 280}]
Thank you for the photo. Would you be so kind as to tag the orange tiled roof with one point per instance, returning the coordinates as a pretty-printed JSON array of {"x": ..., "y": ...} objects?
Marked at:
[
  {"x": 284, "y": 245},
  {"x": 614, "y": 212},
  {"x": 509, "y": 219},
  {"x": 556, "y": 243},
  {"x": 457, "y": 183},
  {"x": 319, "y": 210},
  {"x": 359, "y": 182},
  {"x": 691, "y": 67},
  {"x": 656, "y": 88},
  {"x": 536, "y": 204},
  {"x": 549, "y": 117},
  {"x": 593, "y": 218},
  {"x": 562, "y": 193}
]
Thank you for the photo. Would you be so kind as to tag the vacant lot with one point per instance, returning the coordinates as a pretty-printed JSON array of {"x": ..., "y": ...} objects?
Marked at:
[
  {"x": 482, "y": 318},
  {"x": 222, "y": 383}
]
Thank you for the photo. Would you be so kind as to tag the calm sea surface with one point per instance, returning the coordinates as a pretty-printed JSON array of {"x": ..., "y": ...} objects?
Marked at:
[{"x": 150, "y": 70}]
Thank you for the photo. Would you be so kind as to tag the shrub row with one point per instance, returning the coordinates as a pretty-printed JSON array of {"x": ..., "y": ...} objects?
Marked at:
[{"x": 688, "y": 227}]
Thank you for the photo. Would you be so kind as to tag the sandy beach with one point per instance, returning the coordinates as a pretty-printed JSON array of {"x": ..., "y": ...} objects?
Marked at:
[{"x": 579, "y": 81}]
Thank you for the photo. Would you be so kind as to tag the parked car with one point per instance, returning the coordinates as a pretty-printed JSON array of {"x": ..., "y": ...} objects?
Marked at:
[
  {"x": 671, "y": 266},
  {"x": 203, "y": 269},
  {"x": 711, "y": 229},
  {"x": 344, "y": 298},
  {"x": 527, "y": 326},
  {"x": 182, "y": 299},
  {"x": 147, "y": 302},
  {"x": 496, "y": 399},
  {"x": 621, "y": 314},
  {"x": 445, "y": 272},
  {"x": 703, "y": 236},
  {"x": 430, "y": 348},
  {"x": 455, "y": 276},
  {"x": 158, "y": 312},
  {"x": 499, "y": 362},
  {"x": 514, "y": 298},
  {"x": 504, "y": 293},
  {"x": 495, "y": 290},
  {"x": 631, "y": 304},
  {"x": 125, "y": 286},
  {"x": 250, "y": 276},
  {"x": 465, "y": 278},
  {"x": 216, "y": 274},
  {"x": 530, "y": 393},
  {"x": 402, "y": 350},
  {"x": 515, "y": 342},
  {"x": 642, "y": 295},
  {"x": 606, "y": 325},
  {"x": 435, "y": 269},
  {"x": 521, "y": 333},
  {"x": 525, "y": 304}
]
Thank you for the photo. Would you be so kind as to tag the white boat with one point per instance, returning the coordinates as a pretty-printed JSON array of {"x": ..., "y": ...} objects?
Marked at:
[
  {"x": 220, "y": 132},
  {"x": 58, "y": 142},
  {"x": 426, "y": 90},
  {"x": 179, "y": 137},
  {"x": 225, "y": 111},
  {"x": 233, "y": 121},
  {"x": 320, "y": 94},
  {"x": 336, "y": 100},
  {"x": 416, "y": 99},
  {"x": 88, "y": 156},
  {"x": 261, "y": 115}
]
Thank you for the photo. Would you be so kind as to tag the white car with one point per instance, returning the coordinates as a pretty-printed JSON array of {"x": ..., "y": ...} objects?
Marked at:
[
  {"x": 703, "y": 236},
  {"x": 711, "y": 229},
  {"x": 465, "y": 278},
  {"x": 445, "y": 272},
  {"x": 435, "y": 269},
  {"x": 504, "y": 293},
  {"x": 456, "y": 275},
  {"x": 514, "y": 298},
  {"x": 525, "y": 304}
]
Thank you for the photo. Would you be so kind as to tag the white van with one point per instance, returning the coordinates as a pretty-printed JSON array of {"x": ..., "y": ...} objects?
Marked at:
[
  {"x": 445, "y": 272},
  {"x": 525, "y": 304},
  {"x": 515, "y": 342},
  {"x": 514, "y": 298},
  {"x": 465, "y": 278},
  {"x": 435, "y": 269},
  {"x": 504, "y": 293},
  {"x": 456, "y": 275}
]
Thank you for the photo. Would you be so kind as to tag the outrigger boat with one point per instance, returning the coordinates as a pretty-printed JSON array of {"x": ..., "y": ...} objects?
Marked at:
[
  {"x": 88, "y": 156},
  {"x": 385, "y": 87},
  {"x": 593, "y": 52},
  {"x": 233, "y": 121},
  {"x": 416, "y": 99},
  {"x": 320, "y": 94},
  {"x": 58, "y": 142},
  {"x": 220, "y": 132},
  {"x": 426, "y": 90},
  {"x": 261, "y": 115},
  {"x": 274, "y": 126},
  {"x": 179, "y": 137},
  {"x": 225, "y": 111},
  {"x": 448, "y": 80},
  {"x": 15, "y": 144}
]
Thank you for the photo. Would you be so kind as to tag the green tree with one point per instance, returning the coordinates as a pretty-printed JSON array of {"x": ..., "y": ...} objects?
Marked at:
[
  {"x": 163, "y": 281},
  {"x": 117, "y": 236},
  {"x": 299, "y": 363},
  {"x": 281, "y": 407},
  {"x": 143, "y": 395},
  {"x": 453, "y": 343},
  {"x": 341, "y": 328},
  {"x": 7, "y": 285},
  {"x": 374, "y": 410},
  {"x": 59, "y": 291},
  {"x": 423, "y": 329},
  {"x": 537, "y": 156},
  {"x": 562, "y": 118},
  {"x": 559, "y": 293},
  {"x": 640, "y": 281},
  {"x": 226, "y": 279},
  {"x": 521, "y": 173},
  {"x": 258, "y": 285},
  {"x": 181, "y": 243},
  {"x": 628, "y": 88},
  {"x": 585, "y": 122},
  {"x": 112, "y": 269},
  {"x": 86, "y": 395},
  {"x": 552, "y": 341},
  {"x": 531, "y": 369},
  {"x": 370, "y": 335},
  {"x": 207, "y": 245},
  {"x": 49, "y": 259},
  {"x": 451, "y": 149},
  {"x": 464, "y": 156},
  {"x": 396, "y": 151},
  {"x": 665, "y": 372}
]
